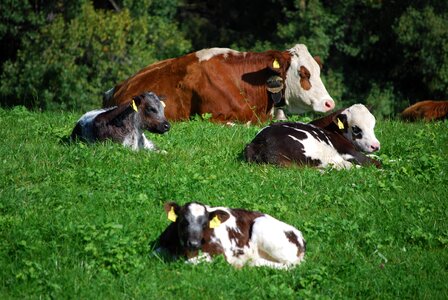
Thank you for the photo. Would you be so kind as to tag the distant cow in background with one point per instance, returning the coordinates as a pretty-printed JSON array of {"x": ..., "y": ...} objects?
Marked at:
[
  {"x": 231, "y": 85},
  {"x": 334, "y": 140},
  {"x": 124, "y": 124},
  {"x": 242, "y": 236},
  {"x": 428, "y": 110}
]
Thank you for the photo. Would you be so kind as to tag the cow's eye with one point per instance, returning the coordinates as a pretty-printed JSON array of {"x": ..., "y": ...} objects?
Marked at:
[
  {"x": 152, "y": 110},
  {"x": 356, "y": 130},
  {"x": 304, "y": 72}
]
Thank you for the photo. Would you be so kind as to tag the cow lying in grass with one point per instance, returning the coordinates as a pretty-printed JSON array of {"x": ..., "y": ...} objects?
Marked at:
[
  {"x": 426, "y": 110},
  {"x": 243, "y": 237},
  {"x": 335, "y": 140},
  {"x": 231, "y": 85},
  {"x": 125, "y": 123}
]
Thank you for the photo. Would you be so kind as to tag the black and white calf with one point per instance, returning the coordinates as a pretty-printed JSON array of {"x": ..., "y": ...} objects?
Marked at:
[
  {"x": 125, "y": 123},
  {"x": 243, "y": 237},
  {"x": 335, "y": 140}
]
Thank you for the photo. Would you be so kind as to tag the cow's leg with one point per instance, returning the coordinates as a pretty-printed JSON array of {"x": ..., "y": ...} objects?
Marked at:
[
  {"x": 279, "y": 245},
  {"x": 203, "y": 257},
  {"x": 261, "y": 262},
  {"x": 361, "y": 159},
  {"x": 330, "y": 157},
  {"x": 340, "y": 162},
  {"x": 146, "y": 144}
]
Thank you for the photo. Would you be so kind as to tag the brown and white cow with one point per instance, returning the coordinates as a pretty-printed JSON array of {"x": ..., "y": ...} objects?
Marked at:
[
  {"x": 231, "y": 85},
  {"x": 124, "y": 123},
  {"x": 335, "y": 140},
  {"x": 427, "y": 110},
  {"x": 243, "y": 237}
]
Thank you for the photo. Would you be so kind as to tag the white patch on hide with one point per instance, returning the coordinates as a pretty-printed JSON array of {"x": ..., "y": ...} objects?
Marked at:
[
  {"x": 268, "y": 246},
  {"x": 274, "y": 249},
  {"x": 327, "y": 154},
  {"x": 206, "y": 54}
]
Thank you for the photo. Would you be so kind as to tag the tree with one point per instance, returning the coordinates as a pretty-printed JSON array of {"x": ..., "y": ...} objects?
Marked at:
[{"x": 70, "y": 63}]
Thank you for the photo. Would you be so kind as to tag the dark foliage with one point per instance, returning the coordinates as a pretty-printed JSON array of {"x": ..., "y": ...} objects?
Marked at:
[{"x": 64, "y": 54}]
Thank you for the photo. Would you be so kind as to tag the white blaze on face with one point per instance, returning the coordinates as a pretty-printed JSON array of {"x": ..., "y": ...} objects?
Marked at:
[
  {"x": 196, "y": 210},
  {"x": 195, "y": 223},
  {"x": 298, "y": 99},
  {"x": 359, "y": 116}
]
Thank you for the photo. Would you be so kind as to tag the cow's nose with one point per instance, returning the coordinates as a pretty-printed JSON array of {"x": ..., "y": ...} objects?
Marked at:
[
  {"x": 193, "y": 244},
  {"x": 166, "y": 126},
  {"x": 375, "y": 147},
  {"x": 329, "y": 105}
]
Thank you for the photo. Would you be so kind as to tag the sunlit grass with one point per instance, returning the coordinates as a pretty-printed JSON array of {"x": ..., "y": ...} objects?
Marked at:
[{"x": 79, "y": 221}]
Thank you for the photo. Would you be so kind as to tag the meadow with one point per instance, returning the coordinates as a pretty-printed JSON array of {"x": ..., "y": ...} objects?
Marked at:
[{"x": 80, "y": 221}]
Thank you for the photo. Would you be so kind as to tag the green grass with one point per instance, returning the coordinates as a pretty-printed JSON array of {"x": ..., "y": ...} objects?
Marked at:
[{"x": 78, "y": 221}]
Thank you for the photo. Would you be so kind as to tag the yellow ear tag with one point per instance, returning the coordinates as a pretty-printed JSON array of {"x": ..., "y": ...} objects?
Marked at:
[
  {"x": 172, "y": 215},
  {"x": 215, "y": 222},
  {"x": 134, "y": 107},
  {"x": 163, "y": 104},
  {"x": 340, "y": 124},
  {"x": 275, "y": 64}
]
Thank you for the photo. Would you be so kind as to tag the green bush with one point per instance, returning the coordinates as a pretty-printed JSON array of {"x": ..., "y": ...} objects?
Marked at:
[
  {"x": 69, "y": 64},
  {"x": 65, "y": 54},
  {"x": 424, "y": 37},
  {"x": 381, "y": 100}
]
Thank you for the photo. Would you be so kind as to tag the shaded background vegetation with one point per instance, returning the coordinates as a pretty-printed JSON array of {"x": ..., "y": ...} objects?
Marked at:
[{"x": 61, "y": 54}]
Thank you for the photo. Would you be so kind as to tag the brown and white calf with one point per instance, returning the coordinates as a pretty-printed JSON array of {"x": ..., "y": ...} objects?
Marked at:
[
  {"x": 336, "y": 140},
  {"x": 125, "y": 123},
  {"x": 200, "y": 232}
]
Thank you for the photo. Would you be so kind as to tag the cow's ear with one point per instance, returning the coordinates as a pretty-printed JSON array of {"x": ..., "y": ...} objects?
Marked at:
[
  {"x": 138, "y": 99},
  {"x": 172, "y": 210},
  {"x": 341, "y": 121},
  {"x": 163, "y": 101},
  {"x": 319, "y": 61},
  {"x": 278, "y": 64},
  {"x": 135, "y": 102},
  {"x": 217, "y": 217}
]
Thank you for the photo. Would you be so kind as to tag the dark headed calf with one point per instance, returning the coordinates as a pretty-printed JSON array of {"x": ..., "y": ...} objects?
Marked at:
[
  {"x": 125, "y": 123},
  {"x": 242, "y": 236}
]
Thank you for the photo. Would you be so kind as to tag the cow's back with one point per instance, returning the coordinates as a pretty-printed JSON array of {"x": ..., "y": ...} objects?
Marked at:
[
  {"x": 231, "y": 86},
  {"x": 167, "y": 80},
  {"x": 234, "y": 86},
  {"x": 84, "y": 128},
  {"x": 428, "y": 110},
  {"x": 281, "y": 144}
]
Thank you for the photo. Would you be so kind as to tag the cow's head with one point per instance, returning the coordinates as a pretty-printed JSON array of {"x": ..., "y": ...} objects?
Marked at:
[
  {"x": 150, "y": 110},
  {"x": 193, "y": 222},
  {"x": 305, "y": 90},
  {"x": 357, "y": 125}
]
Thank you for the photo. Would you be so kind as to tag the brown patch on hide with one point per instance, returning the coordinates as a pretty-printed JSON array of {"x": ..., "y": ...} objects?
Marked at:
[{"x": 305, "y": 76}]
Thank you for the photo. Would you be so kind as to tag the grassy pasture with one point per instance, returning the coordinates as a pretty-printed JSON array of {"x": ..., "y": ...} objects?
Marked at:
[{"x": 78, "y": 221}]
